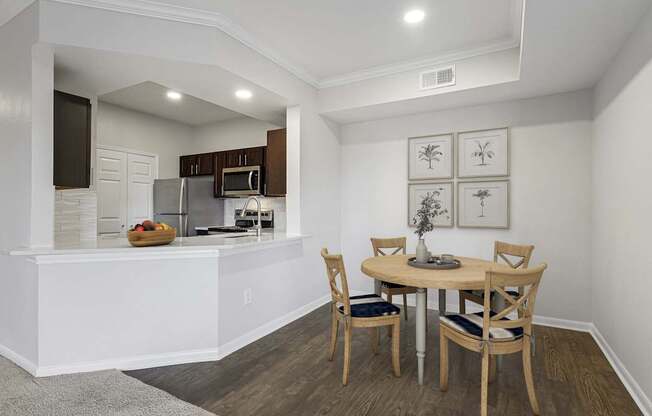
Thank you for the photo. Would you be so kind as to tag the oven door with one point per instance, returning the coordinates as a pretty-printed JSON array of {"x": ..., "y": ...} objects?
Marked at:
[{"x": 241, "y": 181}]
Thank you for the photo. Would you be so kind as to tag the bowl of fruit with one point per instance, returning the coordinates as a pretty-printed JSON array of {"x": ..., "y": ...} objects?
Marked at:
[{"x": 150, "y": 234}]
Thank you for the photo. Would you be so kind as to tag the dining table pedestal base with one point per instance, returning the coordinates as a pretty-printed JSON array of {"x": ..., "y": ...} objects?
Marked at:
[{"x": 421, "y": 331}]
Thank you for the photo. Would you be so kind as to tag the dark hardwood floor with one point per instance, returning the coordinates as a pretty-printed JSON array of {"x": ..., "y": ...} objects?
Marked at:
[{"x": 287, "y": 373}]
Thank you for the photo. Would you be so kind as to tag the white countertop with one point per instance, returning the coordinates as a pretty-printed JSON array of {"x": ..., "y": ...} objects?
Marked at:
[{"x": 208, "y": 243}]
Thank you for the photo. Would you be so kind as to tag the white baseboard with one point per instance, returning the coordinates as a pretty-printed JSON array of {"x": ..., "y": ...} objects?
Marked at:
[
  {"x": 251, "y": 336},
  {"x": 18, "y": 359},
  {"x": 159, "y": 360},
  {"x": 156, "y": 360},
  {"x": 562, "y": 323},
  {"x": 644, "y": 403},
  {"x": 130, "y": 363}
]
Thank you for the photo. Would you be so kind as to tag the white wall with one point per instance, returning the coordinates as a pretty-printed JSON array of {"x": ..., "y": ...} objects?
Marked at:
[
  {"x": 16, "y": 40},
  {"x": 550, "y": 192},
  {"x": 118, "y": 126},
  {"x": 18, "y": 290},
  {"x": 622, "y": 205},
  {"x": 230, "y": 134},
  {"x": 317, "y": 167}
]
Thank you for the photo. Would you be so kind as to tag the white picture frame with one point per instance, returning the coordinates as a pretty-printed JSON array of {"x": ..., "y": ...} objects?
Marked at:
[
  {"x": 483, "y": 153},
  {"x": 446, "y": 190},
  {"x": 431, "y": 157},
  {"x": 483, "y": 204}
]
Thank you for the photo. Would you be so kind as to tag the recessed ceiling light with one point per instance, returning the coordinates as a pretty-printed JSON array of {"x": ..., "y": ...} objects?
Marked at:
[
  {"x": 414, "y": 16},
  {"x": 173, "y": 95},
  {"x": 243, "y": 94}
]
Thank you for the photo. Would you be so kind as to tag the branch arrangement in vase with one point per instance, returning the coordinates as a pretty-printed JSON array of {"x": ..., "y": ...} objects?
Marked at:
[{"x": 431, "y": 207}]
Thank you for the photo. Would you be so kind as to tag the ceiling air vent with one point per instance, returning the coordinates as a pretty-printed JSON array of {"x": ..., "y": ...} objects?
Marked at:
[{"x": 437, "y": 78}]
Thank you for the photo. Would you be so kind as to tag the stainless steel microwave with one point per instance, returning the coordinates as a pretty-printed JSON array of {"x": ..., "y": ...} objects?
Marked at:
[{"x": 241, "y": 181}]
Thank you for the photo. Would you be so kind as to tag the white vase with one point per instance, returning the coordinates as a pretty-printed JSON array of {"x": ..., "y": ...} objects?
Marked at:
[{"x": 422, "y": 252}]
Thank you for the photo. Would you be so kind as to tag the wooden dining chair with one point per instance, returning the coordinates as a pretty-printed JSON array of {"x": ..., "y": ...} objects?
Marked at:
[
  {"x": 392, "y": 246},
  {"x": 520, "y": 259},
  {"x": 492, "y": 333},
  {"x": 363, "y": 311}
]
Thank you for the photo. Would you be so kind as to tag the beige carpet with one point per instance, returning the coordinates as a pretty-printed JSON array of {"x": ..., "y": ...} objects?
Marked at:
[{"x": 88, "y": 394}]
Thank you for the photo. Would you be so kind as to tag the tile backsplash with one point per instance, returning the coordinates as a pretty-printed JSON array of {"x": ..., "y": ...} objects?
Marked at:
[
  {"x": 75, "y": 215},
  {"x": 276, "y": 204}
]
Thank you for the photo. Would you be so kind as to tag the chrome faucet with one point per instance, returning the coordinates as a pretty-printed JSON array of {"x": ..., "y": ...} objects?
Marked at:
[{"x": 258, "y": 207}]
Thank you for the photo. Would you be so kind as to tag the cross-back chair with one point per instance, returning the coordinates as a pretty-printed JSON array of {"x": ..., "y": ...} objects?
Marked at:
[
  {"x": 515, "y": 256},
  {"x": 390, "y": 247},
  {"x": 363, "y": 311},
  {"x": 492, "y": 332}
]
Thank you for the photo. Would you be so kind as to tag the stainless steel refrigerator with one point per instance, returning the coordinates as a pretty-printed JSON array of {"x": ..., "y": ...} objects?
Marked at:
[{"x": 187, "y": 203}]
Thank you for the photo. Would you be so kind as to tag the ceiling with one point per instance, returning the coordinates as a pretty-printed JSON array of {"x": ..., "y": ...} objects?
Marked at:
[
  {"x": 329, "y": 41},
  {"x": 566, "y": 46},
  {"x": 150, "y": 97},
  {"x": 140, "y": 83}
]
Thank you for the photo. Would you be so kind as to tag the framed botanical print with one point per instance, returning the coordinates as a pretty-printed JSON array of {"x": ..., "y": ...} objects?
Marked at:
[
  {"x": 483, "y": 204},
  {"x": 443, "y": 194},
  {"x": 430, "y": 157},
  {"x": 483, "y": 153}
]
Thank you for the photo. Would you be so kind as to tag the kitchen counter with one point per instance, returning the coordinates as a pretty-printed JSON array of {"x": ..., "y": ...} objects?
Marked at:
[
  {"x": 105, "y": 304},
  {"x": 215, "y": 245}
]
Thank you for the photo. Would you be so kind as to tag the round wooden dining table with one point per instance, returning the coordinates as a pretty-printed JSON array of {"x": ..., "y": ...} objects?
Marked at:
[{"x": 395, "y": 269}]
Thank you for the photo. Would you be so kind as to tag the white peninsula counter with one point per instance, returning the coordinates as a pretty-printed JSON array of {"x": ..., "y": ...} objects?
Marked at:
[{"x": 105, "y": 304}]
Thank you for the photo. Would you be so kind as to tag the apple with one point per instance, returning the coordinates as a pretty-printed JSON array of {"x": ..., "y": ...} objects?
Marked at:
[
  {"x": 139, "y": 228},
  {"x": 148, "y": 225}
]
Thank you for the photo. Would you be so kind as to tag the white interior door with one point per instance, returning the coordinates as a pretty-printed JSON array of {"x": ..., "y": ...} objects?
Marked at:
[
  {"x": 111, "y": 167},
  {"x": 141, "y": 172}
]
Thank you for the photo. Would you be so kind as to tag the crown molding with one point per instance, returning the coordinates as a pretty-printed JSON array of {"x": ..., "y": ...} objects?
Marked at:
[
  {"x": 174, "y": 13},
  {"x": 397, "y": 68}
]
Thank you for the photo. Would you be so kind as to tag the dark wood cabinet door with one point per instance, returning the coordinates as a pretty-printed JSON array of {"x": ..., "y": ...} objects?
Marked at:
[
  {"x": 204, "y": 164},
  {"x": 234, "y": 158},
  {"x": 219, "y": 163},
  {"x": 72, "y": 141},
  {"x": 253, "y": 156},
  {"x": 187, "y": 165},
  {"x": 276, "y": 163}
]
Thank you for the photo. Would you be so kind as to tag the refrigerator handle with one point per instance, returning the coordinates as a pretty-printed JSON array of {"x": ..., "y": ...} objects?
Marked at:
[{"x": 182, "y": 192}]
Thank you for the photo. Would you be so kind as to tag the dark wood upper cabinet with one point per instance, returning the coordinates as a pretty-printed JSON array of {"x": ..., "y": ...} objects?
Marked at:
[
  {"x": 196, "y": 165},
  {"x": 233, "y": 158},
  {"x": 72, "y": 141},
  {"x": 276, "y": 163},
  {"x": 204, "y": 164},
  {"x": 219, "y": 163},
  {"x": 253, "y": 156},
  {"x": 187, "y": 166}
]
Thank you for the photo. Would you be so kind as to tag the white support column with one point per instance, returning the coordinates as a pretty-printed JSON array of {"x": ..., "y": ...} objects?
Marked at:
[
  {"x": 42, "y": 148},
  {"x": 293, "y": 197}
]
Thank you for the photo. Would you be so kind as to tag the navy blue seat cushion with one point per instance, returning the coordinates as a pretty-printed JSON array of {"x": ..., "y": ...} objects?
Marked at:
[
  {"x": 480, "y": 293},
  {"x": 471, "y": 324},
  {"x": 369, "y": 306},
  {"x": 392, "y": 285}
]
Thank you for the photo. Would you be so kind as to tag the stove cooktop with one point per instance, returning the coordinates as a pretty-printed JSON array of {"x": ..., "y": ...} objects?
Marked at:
[{"x": 228, "y": 229}]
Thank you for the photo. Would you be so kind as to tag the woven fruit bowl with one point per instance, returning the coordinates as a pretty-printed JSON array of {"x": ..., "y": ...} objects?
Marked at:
[{"x": 151, "y": 238}]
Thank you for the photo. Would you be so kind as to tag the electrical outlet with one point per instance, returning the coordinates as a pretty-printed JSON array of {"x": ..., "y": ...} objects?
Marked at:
[{"x": 248, "y": 296}]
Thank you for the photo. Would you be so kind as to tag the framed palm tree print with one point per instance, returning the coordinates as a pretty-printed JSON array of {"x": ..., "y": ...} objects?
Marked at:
[
  {"x": 483, "y": 153},
  {"x": 442, "y": 192},
  {"x": 430, "y": 157},
  {"x": 483, "y": 204}
]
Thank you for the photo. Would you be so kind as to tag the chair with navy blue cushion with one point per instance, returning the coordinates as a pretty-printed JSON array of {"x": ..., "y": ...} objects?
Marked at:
[
  {"x": 364, "y": 311},
  {"x": 515, "y": 256},
  {"x": 389, "y": 247},
  {"x": 492, "y": 332}
]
